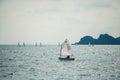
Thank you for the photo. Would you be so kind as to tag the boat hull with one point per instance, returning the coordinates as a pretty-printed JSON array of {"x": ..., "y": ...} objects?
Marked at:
[{"x": 66, "y": 59}]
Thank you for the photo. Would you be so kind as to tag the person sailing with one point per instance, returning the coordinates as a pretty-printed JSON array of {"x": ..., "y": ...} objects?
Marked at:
[{"x": 68, "y": 57}]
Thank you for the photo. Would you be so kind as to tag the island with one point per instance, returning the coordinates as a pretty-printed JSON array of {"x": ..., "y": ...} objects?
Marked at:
[{"x": 103, "y": 39}]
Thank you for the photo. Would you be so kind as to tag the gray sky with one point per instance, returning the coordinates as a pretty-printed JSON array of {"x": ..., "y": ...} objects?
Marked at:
[{"x": 51, "y": 21}]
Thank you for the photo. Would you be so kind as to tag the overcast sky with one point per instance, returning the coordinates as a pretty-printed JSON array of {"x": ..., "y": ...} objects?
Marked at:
[{"x": 51, "y": 21}]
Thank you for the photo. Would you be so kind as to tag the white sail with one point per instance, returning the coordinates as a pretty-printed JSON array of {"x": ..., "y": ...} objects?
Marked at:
[
  {"x": 89, "y": 44},
  {"x": 65, "y": 49}
]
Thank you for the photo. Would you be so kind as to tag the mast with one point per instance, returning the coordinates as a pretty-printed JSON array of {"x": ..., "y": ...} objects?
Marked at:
[{"x": 60, "y": 50}]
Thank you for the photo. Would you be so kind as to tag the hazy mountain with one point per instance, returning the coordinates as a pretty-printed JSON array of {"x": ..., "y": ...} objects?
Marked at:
[{"x": 103, "y": 39}]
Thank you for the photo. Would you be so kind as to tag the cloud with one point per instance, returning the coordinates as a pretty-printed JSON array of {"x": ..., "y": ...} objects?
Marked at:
[
  {"x": 48, "y": 19},
  {"x": 92, "y": 5},
  {"x": 46, "y": 10},
  {"x": 101, "y": 5}
]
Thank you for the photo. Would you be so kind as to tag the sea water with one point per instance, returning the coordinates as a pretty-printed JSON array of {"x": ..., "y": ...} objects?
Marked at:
[{"x": 98, "y": 62}]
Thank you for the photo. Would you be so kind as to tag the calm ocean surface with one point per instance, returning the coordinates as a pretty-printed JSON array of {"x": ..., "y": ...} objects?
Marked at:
[{"x": 100, "y": 62}]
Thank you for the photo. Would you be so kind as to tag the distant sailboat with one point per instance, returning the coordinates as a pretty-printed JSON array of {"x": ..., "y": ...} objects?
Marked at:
[
  {"x": 58, "y": 44},
  {"x": 89, "y": 44},
  {"x": 23, "y": 44},
  {"x": 18, "y": 44},
  {"x": 36, "y": 44},
  {"x": 65, "y": 51},
  {"x": 40, "y": 44}
]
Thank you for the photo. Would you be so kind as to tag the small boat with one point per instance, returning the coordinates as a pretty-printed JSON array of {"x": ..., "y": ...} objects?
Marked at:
[
  {"x": 40, "y": 44},
  {"x": 59, "y": 44},
  {"x": 65, "y": 53},
  {"x": 23, "y": 44},
  {"x": 18, "y": 44},
  {"x": 68, "y": 59},
  {"x": 35, "y": 43},
  {"x": 89, "y": 44}
]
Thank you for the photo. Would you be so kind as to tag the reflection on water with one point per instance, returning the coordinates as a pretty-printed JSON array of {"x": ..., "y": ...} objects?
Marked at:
[{"x": 42, "y": 63}]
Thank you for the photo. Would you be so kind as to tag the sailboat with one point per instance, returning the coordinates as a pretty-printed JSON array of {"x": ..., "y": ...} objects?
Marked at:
[
  {"x": 18, "y": 44},
  {"x": 89, "y": 44},
  {"x": 40, "y": 44},
  {"x": 35, "y": 43},
  {"x": 23, "y": 44},
  {"x": 65, "y": 51},
  {"x": 58, "y": 44}
]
